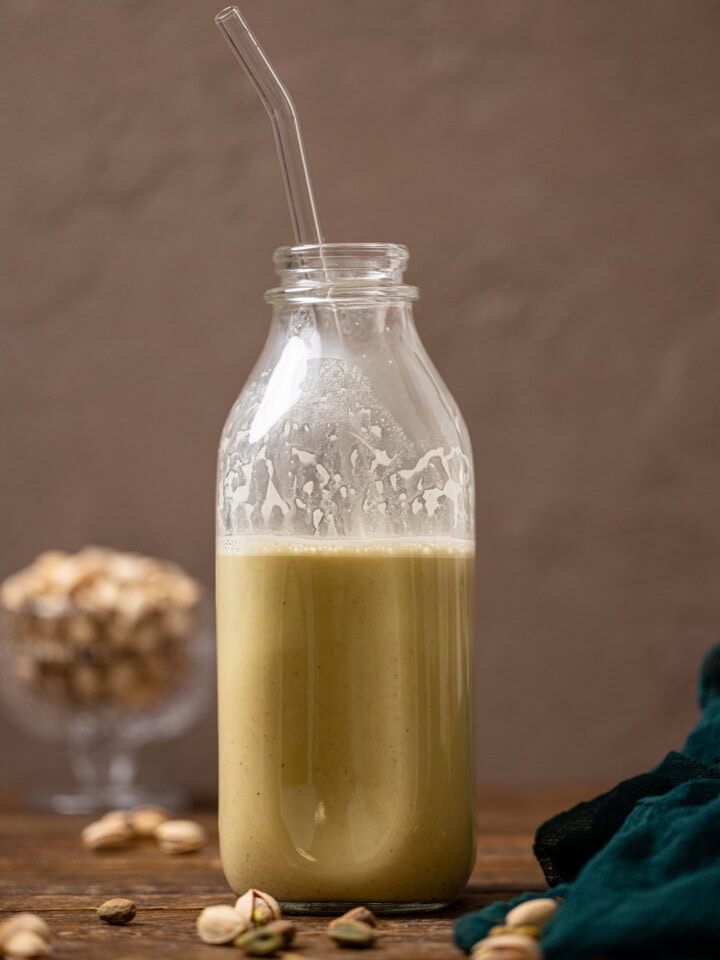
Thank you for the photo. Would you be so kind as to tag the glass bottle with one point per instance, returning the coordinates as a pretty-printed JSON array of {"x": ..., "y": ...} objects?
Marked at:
[{"x": 345, "y": 551}]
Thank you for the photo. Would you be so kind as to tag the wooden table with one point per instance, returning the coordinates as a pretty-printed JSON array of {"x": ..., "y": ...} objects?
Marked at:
[{"x": 44, "y": 869}]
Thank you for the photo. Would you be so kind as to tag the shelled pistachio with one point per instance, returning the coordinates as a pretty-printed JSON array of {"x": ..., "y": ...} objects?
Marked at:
[
  {"x": 117, "y": 911},
  {"x": 354, "y": 934}
]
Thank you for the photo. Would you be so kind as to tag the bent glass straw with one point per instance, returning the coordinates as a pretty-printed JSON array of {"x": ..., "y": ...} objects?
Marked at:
[{"x": 286, "y": 126}]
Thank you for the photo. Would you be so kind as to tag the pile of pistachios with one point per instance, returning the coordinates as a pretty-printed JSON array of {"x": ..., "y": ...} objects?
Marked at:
[
  {"x": 100, "y": 627},
  {"x": 118, "y": 829},
  {"x": 518, "y": 938},
  {"x": 255, "y": 924}
]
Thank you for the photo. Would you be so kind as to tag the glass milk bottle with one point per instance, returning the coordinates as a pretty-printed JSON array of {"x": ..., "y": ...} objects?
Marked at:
[{"x": 345, "y": 601}]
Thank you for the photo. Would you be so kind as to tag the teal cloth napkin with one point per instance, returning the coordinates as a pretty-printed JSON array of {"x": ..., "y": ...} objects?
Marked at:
[{"x": 638, "y": 868}]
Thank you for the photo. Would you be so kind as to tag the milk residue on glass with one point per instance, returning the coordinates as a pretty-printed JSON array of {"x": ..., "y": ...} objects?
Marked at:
[{"x": 311, "y": 450}]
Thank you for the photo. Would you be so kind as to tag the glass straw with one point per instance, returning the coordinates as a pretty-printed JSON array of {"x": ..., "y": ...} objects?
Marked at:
[{"x": 283, "y": 116}]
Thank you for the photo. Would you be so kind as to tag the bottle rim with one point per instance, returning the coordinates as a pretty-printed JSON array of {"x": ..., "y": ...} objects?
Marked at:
[
  {"x": 395, "y": 251},
  {"x": 341, "y": 272}
]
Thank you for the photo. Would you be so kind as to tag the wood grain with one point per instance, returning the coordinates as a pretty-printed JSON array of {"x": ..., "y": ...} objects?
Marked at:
[{"x": 44, "y": 869}]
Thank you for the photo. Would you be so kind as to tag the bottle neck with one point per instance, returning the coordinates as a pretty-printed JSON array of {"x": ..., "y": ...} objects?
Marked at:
[{"x": 345, "y": 275}]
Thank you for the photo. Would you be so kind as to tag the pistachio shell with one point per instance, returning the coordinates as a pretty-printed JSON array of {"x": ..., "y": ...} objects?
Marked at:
[
  {"x": 108, "y": 833},
  {"x": 526, "y": 931},
  {"x": 357, "y": 913},
  {"x": 219, "y": 925},
  {"x": 258, "y": 908},
  {"x": 26, "y": 945},
  {"x": 145, "y": 820},
  {"x": 534, "y": 913},
  {"x": 14, "y": 592},
  {"x": 180, "y": 836},
  {"x": 507, "y": 947},
  {"x": 27, "y": 922},
  {"x": 115, "y": 816}
]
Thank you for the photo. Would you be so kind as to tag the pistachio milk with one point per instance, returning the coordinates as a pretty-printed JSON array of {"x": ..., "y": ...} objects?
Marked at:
[{"x": 345, "y": 718}]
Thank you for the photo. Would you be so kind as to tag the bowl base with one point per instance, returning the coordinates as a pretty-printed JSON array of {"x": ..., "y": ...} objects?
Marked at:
[{"x": 338, "y": 907}]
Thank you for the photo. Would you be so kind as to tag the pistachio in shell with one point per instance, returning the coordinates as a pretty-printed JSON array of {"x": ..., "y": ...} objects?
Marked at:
[
  {"x": 111, "y": 832},
  {"x": 23, "y": 922},
  {"x": 26, "y": 945},
  {"x": 258, "y": 908},
  {"x": 220, "y": 924},
  {"x": 363, "y": 914},
  {"x": 535, "y": 913},
  {"x": 180, "y": 836},
  {"x": 145, "y": 820}
]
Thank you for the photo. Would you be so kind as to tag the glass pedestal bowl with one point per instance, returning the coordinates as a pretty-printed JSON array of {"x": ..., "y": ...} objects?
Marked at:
[{"x": 104, "y": 701}]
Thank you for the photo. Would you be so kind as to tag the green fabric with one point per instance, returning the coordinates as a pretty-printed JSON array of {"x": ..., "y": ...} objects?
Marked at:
[
  {"x": 564, "y": 844},
  {"x": 638, "y": 867}
]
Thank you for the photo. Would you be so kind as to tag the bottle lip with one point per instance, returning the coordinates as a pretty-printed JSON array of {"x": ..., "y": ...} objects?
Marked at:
[
  {"x": 341, "y": 272},
  {"x": 396, "y": 252}
]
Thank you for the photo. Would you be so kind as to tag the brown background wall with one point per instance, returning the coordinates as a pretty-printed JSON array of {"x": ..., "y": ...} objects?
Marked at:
[{"x": 554, "y": 169}]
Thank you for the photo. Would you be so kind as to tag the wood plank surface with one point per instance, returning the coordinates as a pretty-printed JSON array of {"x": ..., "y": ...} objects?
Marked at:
[{"x": 44, "y": 869}]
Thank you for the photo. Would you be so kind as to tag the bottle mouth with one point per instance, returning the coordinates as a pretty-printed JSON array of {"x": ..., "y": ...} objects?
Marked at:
[{"x": 316, "y": 272}]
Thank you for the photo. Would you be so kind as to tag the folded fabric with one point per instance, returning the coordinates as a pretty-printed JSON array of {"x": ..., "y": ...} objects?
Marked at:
[{"x": 638, "y": 868}]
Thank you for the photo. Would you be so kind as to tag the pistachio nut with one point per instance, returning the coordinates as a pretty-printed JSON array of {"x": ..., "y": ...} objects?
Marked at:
[
  {"x": 26, "y": 945},
  {"x": 146, "y": 819},
  {"x": 260, "y": 942},
  {"x": 507, "y": 947},
  {"x": 285, "y": 928},
  {"x": 536, "y": 913},
  {"x": 29, "y": 922},
  {"x": 357, "y": 913},
  {"x": 352, "y": 933},
  {"x": 117, "y": 911},
  {"x": 258, "y": 908},
  {"x": 180, "y": 836},
  {"x": 220, "y": 925},
  {"x": 108, "y": 833}
]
